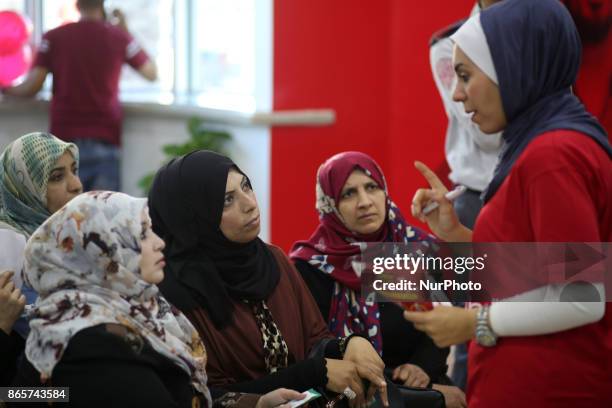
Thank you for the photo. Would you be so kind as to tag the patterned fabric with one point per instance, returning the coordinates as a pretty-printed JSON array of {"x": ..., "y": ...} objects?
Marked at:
[
  {"x": 349, "y": 314},
  {"x": 336, "y": 251},
  {"x": 276, "y": 352},
  {"x": 84, "y": 263},
  {"x": 25, "y": 166}
]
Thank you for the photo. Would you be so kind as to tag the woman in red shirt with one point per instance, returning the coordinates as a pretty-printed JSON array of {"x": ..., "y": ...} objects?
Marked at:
[{"x": 515, "y": 65}]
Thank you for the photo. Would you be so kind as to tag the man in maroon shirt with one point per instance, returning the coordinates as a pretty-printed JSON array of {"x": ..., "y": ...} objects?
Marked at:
[{"x": 85, "y": 59}]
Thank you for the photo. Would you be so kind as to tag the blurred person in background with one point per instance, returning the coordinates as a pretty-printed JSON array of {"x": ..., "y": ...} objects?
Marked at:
[
  {"x": 85, "y": 59},
  {"x": 593, "y": 19},
  {"x": 471, "y": 155}
]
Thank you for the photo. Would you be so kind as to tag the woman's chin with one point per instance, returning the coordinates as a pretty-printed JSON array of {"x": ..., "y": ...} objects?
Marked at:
[
  {"x": 490, "y": 128},
  {"x": 247, "y": 237},
  {"x": 369, "y": 228}
]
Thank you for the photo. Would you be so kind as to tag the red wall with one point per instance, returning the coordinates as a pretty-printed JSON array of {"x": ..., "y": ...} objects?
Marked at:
[{"x": 369, "y": 61}]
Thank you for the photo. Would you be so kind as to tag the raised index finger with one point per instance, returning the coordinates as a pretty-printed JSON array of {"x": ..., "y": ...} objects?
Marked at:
[{"x": 429, "y": 175}]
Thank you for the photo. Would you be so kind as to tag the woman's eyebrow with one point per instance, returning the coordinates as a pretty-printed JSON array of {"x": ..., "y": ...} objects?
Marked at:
[{"x": 458, "y": 66}]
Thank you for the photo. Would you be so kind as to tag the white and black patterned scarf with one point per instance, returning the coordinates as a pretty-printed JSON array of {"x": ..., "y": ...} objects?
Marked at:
[{"x": 84, "y": 263}]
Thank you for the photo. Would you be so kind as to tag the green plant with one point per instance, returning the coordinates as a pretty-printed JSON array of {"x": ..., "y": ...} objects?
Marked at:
[{"x": 201, "y": 138}]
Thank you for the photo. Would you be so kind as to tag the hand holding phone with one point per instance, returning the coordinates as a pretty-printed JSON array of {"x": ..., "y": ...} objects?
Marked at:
[
  {"x": 422, "y": 306},
  {"x": 310, "y": 395}
]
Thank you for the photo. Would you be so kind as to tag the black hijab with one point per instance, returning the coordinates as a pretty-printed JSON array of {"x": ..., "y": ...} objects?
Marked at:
[{"x": 203, "y": 267}]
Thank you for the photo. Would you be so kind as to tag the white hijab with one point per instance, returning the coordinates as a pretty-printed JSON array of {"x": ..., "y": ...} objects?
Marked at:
[{"x": 470, "y": 37}]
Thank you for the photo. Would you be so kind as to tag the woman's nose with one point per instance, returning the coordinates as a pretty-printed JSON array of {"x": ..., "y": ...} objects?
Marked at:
[
  {"x": 75, "y": 184},
  {"x": 248, "y": 202},
  {"x": 364, "y": 199},
  {"x": 458, "y": 93}
]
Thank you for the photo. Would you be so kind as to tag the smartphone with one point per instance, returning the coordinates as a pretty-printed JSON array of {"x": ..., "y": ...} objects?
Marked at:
[
  {"x": 417, "y": 306},
  {"x": 310, "y": 396}
]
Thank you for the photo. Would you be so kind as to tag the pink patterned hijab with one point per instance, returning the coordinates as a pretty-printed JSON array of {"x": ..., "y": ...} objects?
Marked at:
[{"x": 334, "y": 249}]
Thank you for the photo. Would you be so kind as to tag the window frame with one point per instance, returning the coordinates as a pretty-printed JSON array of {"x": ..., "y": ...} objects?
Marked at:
[{"x": 185, "y": 57}]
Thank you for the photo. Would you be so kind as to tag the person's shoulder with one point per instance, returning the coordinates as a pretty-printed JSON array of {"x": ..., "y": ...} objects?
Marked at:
[
  {"x": 12, "y": 240},
  {"x": 63, "y": 30},
  {"x": 10, "y": 231},
  {"x": 300, "y": 262},
  {"x": 445, "y": 32},
  {"x": 57, "y": 30},
  {"x": 305, "y": 267},
  {"x": 561, "y": 150},
  {"x": 559, "y": 144},
  {"x": 117, "y": 33},
  {"x": 312, "y": 274},
  {"x": 276, "y": 251},
  {"x": 97, "y": 29},
  {"x": 281, "y": 257},
  {"x": 284, "y": 263},
  {"x": 108, "y": 339}
]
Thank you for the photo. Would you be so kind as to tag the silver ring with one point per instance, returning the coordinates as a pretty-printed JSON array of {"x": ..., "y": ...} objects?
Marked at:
[{"x": 349, "y": 393}]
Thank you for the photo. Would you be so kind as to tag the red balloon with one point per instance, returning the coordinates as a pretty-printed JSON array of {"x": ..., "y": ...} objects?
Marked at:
[
  {"x": 14, "y": 32},
  {"x": 14, "y": 65}
]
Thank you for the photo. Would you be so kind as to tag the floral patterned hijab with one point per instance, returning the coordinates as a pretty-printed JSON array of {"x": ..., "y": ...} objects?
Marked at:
[
  {"x": 84, "y": 263},
  {"x": 25, "y": 166}
]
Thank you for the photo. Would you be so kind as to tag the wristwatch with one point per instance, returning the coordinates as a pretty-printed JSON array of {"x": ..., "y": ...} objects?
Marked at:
[
  {"x": 343, "y": 343},
  {"x": 484, "y": 334}
]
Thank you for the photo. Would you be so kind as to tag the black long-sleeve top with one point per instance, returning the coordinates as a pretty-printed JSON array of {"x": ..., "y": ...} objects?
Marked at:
[
  {"x": 402, "y": 343},
  {"x": 11, "y": 347},
  {"x": 105, "y": 369}
]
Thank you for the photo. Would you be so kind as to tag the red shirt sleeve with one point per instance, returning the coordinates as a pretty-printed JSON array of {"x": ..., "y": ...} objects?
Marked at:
[{"x": 135, "y": 56}]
